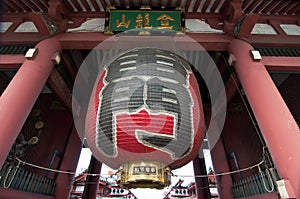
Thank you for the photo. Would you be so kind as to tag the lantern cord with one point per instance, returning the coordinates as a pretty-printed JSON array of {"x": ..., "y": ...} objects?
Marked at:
[
  {"x": 5, "y": 184},
  {"x": 54, "y": 170},
  {"x": 269, "y": 179},
  {"x": 97, "y": 174},
  {"x": 225, "y": 173}
]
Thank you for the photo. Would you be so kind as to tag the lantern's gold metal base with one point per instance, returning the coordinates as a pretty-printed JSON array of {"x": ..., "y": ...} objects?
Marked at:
[{"x": 141, "y": 174}]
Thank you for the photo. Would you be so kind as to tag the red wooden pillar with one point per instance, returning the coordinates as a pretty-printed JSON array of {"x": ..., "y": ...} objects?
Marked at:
[
  {"x": 69, "y": 163},
  {"x": 202, "y": 186},
  {"x": 91, "y": 187},
  {"x": 277, "y": 124},
  {"x": 20, "y": 95},
  {"x": 220, "y": 163}
]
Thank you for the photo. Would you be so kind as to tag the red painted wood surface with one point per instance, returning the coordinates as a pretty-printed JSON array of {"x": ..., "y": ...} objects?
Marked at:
[
  {"x": 22, "y": 92},
  {"x": 15, "y": 194},
  {"x": 276, "y": 122}
]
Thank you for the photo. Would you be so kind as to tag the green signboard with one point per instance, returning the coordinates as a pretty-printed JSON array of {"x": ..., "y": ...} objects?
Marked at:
[{"x": 145, "y": 18}]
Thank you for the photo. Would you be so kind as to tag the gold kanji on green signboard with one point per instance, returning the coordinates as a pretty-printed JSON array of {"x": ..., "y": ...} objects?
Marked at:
[
  {"x": 144, "y": 20},
  {"x": 164, "y": 20},
  {"x": 122, "y": 23}
]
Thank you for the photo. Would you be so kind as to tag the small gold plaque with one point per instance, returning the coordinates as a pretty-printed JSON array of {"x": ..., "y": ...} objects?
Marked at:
[{"x": 143, "y": 174}]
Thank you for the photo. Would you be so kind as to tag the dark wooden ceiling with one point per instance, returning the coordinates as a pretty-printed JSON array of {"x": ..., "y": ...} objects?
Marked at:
[
  {"x": 270, "y": 7},
  {"x": 219, "y": 14}
]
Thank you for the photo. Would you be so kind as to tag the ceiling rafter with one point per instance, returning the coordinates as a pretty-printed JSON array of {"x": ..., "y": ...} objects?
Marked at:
[
  {"x": 294, "y": 9},
  {"x": 196, "y": 6},
  {"x": 42, "y": 5},
  {"x": 187, "y": 5},
  {"x": 252, "y": 6},
  {"x": 32, "y": 6},
  {"x": 11, "y": 6},
  {"x": 261, "y": 6},
  {"x": 76, "y": 4},
  {"x": 287, "y": 7},
  {"x": 223, "y": 7},
  {"x": 21, "y": 5},
  {"x": 95, "y": 5},
  {"x": 214, "y": 6},
  {"x": 112, "y": 2},
  {"x": 103, "y": 4},
  {"x": 205, "y": 6},
  {"x": 45, "y": 2},
  {"x": 246, "y": 3},
  {"x": 279, "y": 6},
  {"x": 160, "y": 4},
  {"x": 68, "y": 5},
  {"x": 169, "y": 3},
  {"x": 2, "y": 7},
  {"x": 269, "y": 7},
  {"x": 86, "y": 5},
  {"x": 179, "y": 3}
]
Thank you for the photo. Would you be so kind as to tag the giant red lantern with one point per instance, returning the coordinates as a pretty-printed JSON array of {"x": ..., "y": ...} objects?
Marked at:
[{"x": 145, "y": 116}]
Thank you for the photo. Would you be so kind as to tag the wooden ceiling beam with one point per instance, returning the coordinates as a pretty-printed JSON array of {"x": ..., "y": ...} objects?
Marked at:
[
  {"x": 95, "y": 5},
  {"x": 205, "y": 6},
  {"x": 187, "y": 5},
  {"x": 246, "y": 4},
  {"x": 196, "y": 5},
  {"x": 214, "y": 6},
  {"x": 11, "y": 61},
  {"x": 11, "y": 6},
  {"x": 294, "y": 9},
  {"x": 261, "y": 6},
  {"x": 274, "y": 40},
  {"x": 287, "y": 7},
  {"x": 88, "y": 40},
  {"x": 32, "y": 6},
  {"x": 247, "y": 25},
  {"x": 77, "y": 5},
  {"x": 42, "y": 5},
  {"x": 85, "y": 5},
  {"x": 16, "y": 38},
  {"x": 291, "y": 64},
  {"x": 103, "y": 3},
  {"x": 15, "y": 25},
  {"x": 252, "y": 6},
  {"x": 279, "y": 7},
  {"x": 40, "y": 23},
  {"x": 21, "y": 5},
  {"x": 178, "y": 3},
  {"x": 269, "y": 7}
]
